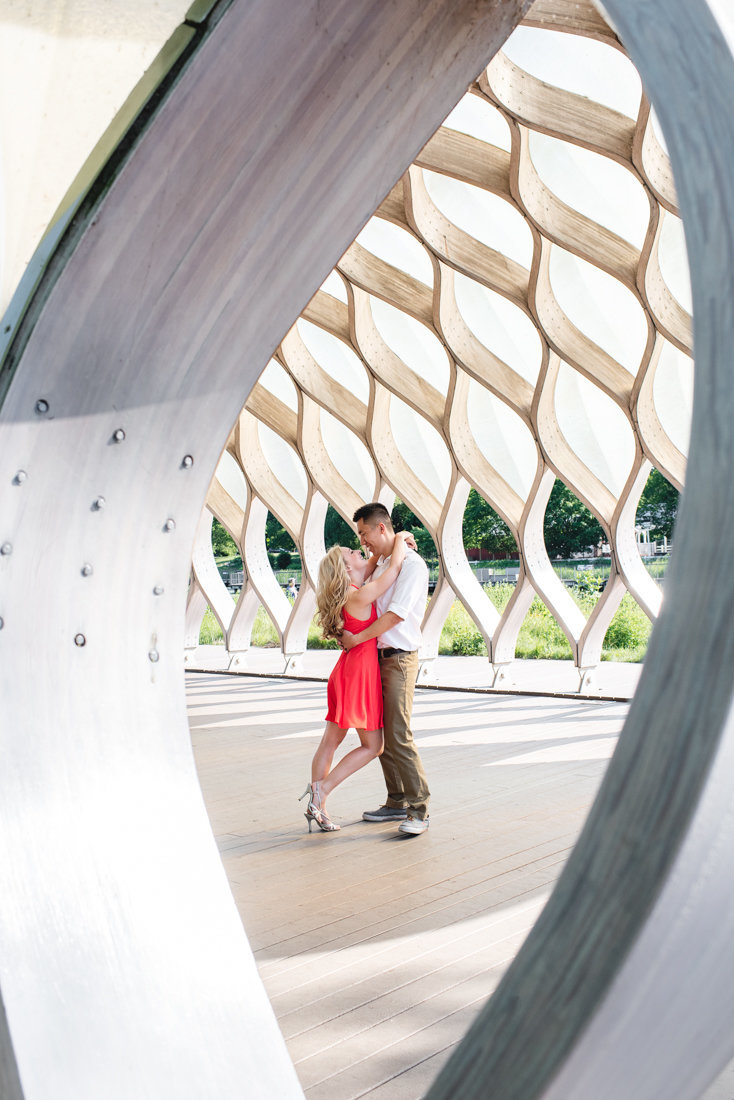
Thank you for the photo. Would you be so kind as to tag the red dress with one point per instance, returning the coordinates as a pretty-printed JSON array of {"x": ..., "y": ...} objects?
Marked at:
[{"x": 354, "y": 693}]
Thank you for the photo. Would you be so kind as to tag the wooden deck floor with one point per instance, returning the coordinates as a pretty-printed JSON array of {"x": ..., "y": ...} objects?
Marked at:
[{"x": 377, "y": 950}]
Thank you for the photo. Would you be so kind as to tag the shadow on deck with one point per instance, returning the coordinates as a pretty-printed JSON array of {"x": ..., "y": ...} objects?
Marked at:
[{"x": 376, "y": 950}]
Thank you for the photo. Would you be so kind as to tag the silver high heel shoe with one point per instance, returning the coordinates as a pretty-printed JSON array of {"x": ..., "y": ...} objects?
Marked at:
[
  {"x": 314, "y": 812},
  {"x": 308, "y": 814}
]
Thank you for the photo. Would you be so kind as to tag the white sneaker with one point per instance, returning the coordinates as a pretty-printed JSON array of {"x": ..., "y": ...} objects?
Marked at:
[{"x": 413, "y": 825}]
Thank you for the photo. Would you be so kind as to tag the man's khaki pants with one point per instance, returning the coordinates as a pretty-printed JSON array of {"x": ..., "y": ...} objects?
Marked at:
[{"x": 402, "y": 767}]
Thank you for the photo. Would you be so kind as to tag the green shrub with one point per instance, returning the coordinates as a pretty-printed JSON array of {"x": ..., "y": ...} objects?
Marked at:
[
  {"x": 540, "y": 637},
  {"x": 630, "y": 628},
  {"x": 263, "y": 631},
  {"x": 468, "y": 642},
  {"x": 459, "y": 633},
  {"x": 589, "y": 583},
  {"x": 316, "y": 640},
  {"x": 626, "y": 656},
  {"x": 210, "y": 632},
  {"x": 499, "y": 594}
]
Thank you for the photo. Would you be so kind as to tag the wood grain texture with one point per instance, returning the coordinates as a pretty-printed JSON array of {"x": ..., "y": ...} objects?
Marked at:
[{"x": 378, "y": 953}]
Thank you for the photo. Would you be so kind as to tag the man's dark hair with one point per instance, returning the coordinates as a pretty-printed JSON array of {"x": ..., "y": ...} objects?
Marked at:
[{"x": 372, "y": 514}]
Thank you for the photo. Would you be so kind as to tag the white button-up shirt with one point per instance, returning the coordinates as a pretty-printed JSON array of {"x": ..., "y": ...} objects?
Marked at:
[{"x": 406, "y": 598}]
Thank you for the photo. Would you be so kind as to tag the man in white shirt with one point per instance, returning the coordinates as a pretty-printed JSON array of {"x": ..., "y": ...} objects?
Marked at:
[{"x": 397, "y": 628}]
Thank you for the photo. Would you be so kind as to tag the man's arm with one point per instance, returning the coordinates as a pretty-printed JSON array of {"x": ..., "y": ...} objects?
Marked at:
[{"x": 379, "y": 626}]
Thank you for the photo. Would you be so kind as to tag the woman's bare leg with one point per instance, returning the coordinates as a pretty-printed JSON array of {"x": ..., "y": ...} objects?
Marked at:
[
  {"x": 330, "y": 742},
  {"x": 369, "y": 748}
]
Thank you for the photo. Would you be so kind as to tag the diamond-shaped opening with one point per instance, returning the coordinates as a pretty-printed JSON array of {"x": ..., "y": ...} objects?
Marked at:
[
  {"x": 276, "y": 380},
  {"x": 628, "y": 633},
  {"x": 418, "y": 347},
  {"x": 422, "y": 446},
  {"x": 580, "y": 65},
  {"x": 333, "y": 284},
  {"x": 281, "y": 457},
  {"x": 600, "y": 307},
  {"x": 500, "y": 326},
  {"x": 337, "y": 532},
  {"x": 540, "y": 637},
  {"x": 487, "y": 217},
  {"x": 569, "y": 528},
  {"x": 404, "y": 519},
  {"x": 397, "y": 247},
  {"x": 657, "y": 512},
  {"x": 339, "y": 361},
  {"x": 580, "y": 408},
  {"x": 210, "y": 631},
  {"x": 477, "y": 118},
  {"x": 349, "y": 454},
  {"x": 673, "y": 394},
  {"x": 673, "y": 259},
  {"x": 594, "y": 185},
  {"x": 230, "y": 477},
  {"x": 460, "y": 635},
  {"x": 503, "y": 438},
  {"x": 487, "y": 538}
]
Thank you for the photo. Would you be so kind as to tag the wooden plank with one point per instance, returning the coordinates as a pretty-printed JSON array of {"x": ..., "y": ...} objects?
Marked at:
[{"x": 377, "y": 952}]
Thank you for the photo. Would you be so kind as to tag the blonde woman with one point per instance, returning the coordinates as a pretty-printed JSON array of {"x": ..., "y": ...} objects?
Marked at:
[{"x": 345, "y": 600}]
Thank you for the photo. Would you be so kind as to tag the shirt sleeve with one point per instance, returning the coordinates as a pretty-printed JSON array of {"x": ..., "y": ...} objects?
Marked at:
[{"x": 411, "y": 587}]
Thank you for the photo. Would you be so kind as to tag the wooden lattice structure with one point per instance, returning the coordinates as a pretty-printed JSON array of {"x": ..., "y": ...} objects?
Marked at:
[{"x": 394, "y": 380}]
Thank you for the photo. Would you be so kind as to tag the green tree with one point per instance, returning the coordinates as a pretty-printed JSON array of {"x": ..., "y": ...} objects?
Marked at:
[
  {"x": 569, "y": 527},
  {"x": 276, "y": 536},
  {"x": 484, "y": 529},
  {"x": 658, "y": 506},
  {"x": 337, "y": 532},
  {"x": 223, "y": 544},
  {"x": 403, "y": 519}
]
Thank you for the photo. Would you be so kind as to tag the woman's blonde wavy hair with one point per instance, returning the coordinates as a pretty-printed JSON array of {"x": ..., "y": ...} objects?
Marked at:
[{"x": 332, "y": 592}]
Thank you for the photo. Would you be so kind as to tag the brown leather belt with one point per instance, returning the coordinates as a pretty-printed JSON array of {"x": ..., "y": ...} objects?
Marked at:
[{"x": 388, "y": 651}]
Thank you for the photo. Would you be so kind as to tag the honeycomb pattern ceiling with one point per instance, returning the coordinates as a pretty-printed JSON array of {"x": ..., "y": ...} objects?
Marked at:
[{"x": 516, "y": 310}]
